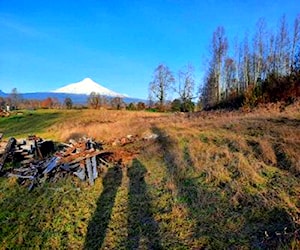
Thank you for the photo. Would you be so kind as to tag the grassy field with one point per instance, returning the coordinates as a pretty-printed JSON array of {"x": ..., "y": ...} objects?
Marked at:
[{"x": 218, "y": 180}]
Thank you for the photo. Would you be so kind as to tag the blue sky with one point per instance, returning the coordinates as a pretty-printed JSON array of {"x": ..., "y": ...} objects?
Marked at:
[{"x": 47, "y": 44}]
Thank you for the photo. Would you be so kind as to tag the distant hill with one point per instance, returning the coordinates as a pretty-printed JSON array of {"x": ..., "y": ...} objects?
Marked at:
[
  {"x": 2, "y": 94},
  {"x": 76, "y": 98},
  {"x": 78, "y": 92}
]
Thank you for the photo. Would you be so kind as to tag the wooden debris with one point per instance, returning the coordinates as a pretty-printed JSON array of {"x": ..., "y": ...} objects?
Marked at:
[
  {"x": 10, "y": 145},
  {"x": 40, "y": 162},
  {"x": 129, "y": 139},
  {"x": 4, "y": 113}
]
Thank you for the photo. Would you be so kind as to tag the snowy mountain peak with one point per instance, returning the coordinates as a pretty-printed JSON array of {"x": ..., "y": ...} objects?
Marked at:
[{"x": 87, "y": 86}]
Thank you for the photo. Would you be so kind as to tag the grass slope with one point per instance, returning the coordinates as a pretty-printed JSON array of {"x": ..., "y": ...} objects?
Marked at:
[
  {"x": 211, "y": 181},
  {"x": 21, "y": 124}
]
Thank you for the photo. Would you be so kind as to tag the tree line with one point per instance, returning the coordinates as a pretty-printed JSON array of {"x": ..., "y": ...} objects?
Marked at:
[
  {"x": 97, "y": 101},
  {"x": 262, "y": 69},
  {"x": 15, "y": 101},
  {"x": 259, "y": 69}
]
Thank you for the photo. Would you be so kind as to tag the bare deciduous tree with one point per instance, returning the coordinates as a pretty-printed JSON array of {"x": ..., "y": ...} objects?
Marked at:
[
  {"x": 117, "y": 103},
  {"x": 282, "y": 48},
  {"x": 207, "y": 92},
  {"x": 212, "y": 82},
  {"x": 162, "y": 84},
  {"x": 295, "y": 39},
  {"x": 68, "y": 103},
  {"x": 15, "y": 98},
  {"x": 186, "y": 85},
  {"x": 95, "y": 100},
  {"x": 219, "y": 50},
  {"x": 230, "y": 76},
  {"x": 259, "y": 53}
]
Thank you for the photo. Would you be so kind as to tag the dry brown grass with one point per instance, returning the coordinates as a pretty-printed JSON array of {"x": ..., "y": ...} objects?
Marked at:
[
  {"x": 215, "y": 180},
  {"x": 104, "y": 124},
  {"x": 265, "y": 134}
]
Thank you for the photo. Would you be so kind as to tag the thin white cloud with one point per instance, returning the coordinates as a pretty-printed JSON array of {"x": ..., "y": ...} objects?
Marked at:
[{"x": 8, "y": 22}]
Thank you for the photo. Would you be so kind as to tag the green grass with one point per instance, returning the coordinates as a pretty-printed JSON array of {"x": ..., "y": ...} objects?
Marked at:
[
  {"x": 201, "y": 185},
  {"x": 28, "y": 122}
]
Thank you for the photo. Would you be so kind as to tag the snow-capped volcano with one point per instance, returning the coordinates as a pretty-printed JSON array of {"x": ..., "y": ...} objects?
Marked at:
[{"x": 87, "y": 86}]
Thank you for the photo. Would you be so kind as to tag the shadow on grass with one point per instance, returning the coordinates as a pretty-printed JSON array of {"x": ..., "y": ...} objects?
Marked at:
[
  {"x": 97, "y": 227},
  {"x": 252, "y": 223},
  {"x": 283, "y": 161},
  {"x": 142, "y": 228},
  {"x": 285, "y": 121},
  {"x": 277, "y": 121},
  {"x": 189, "y": 191}
]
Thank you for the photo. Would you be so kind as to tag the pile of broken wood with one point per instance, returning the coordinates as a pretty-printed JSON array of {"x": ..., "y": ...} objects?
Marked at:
[
  {"x": 41, "y": 160},
  {"x": 4, "y": 113}
]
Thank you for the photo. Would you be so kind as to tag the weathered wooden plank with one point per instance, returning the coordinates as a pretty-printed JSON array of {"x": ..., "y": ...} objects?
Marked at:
[
  {"x": 79, "y": 157},
  {"x": 89, "y": 171},
  {"x": 31, "y": 177},
  {"x": 51, "y": 165},
  {"x": 94, "y": 166},
  {"x": 9, "y": 146}
]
